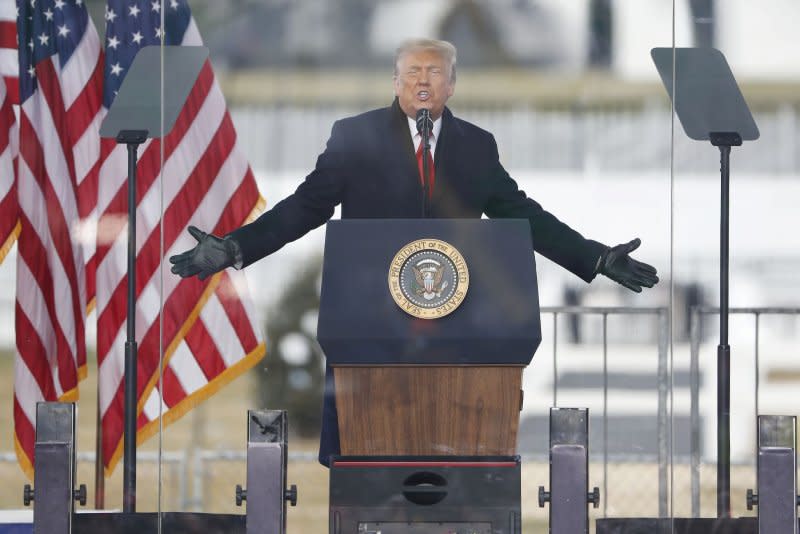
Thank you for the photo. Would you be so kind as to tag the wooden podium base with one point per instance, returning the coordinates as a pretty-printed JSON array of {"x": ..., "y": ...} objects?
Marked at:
[{"x": 428, "y": 411}]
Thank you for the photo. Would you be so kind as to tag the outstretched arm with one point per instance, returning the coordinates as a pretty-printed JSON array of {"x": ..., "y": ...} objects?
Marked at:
[{"x": 562, "y": 244}]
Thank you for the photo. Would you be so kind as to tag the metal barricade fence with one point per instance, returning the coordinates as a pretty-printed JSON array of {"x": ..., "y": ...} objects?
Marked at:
[
  {"x": 204, "y": 459},
  {"x": 200, "y": 469},
  {"x": 174, "y": 462},
  {"x": 663, "y": 379},
  {"x": 201, "y": 459},
  {"x": 695, "y": 334}
]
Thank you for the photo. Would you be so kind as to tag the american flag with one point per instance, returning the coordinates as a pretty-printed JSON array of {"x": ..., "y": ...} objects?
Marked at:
[
  {"x": 58, "y": 60},
  {"x": 210, "y": 330},
  {"x": 9, "y": 219},
  {"x": 72, "y": 190},
  {"x": 9, "y": 65},
  {"x": 9, "y": 95}
]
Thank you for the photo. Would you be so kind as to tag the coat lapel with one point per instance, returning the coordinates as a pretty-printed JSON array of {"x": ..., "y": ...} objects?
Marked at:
[
  {"x": 401, "y": 145},
  {"x": 446, "y": 164}
]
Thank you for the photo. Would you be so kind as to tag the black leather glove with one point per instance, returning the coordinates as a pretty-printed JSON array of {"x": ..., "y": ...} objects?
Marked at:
[
  {"x": 616, "y": 264},
  {"x": 212, "y": 254}
]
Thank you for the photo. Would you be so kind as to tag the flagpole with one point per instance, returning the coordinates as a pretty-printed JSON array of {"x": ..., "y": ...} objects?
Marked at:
[{"x": 99, "y": 477}]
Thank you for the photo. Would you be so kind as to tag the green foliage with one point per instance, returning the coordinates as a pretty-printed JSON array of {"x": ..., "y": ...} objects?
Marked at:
[{"x": 292, "y": 375}]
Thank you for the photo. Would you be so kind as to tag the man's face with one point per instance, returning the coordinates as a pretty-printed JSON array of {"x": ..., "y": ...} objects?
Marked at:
[{"x": 422, "y": 81}]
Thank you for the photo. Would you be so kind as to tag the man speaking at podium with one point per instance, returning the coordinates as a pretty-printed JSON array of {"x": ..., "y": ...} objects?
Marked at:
[{"x": 373, "y": 167}]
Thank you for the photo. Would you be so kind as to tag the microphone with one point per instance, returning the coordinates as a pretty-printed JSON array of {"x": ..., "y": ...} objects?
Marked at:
[{"x": 424, "y": 125}]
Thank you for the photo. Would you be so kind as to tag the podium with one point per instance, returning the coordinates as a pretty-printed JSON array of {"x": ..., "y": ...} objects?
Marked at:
[{"x": 419, "y": 397}]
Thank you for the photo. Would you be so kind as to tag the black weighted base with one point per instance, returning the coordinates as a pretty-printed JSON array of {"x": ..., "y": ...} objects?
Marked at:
[
  {"x": 425, "y": 495},
  {"x": 701, "y": 525},
  {"x": 147, "y": 523}
]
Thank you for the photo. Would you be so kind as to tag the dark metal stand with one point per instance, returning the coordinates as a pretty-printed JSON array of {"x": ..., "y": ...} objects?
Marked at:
[
  {"x": 266, "y": 493},
  {"x": 777, "y": 498},
  {"x": 54, "y": 492},
  {"x": 569, "y": 472},
  {"x": 131, "y": 138},
  {"x": 724, "y": 140}
]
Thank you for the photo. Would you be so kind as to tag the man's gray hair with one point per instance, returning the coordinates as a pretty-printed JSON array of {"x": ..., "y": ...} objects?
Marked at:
[{"x": 445, "y": 49}]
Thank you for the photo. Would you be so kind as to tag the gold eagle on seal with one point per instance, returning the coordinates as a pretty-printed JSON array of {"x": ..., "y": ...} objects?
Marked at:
[{"x": 428, "y": 275}]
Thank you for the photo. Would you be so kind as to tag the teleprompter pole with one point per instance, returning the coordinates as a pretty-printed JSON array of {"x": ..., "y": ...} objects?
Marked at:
[
  {"x": 132, "y": 138},
  {"x": 711, "y": 107},
  {"x": 724, "y": 141}
]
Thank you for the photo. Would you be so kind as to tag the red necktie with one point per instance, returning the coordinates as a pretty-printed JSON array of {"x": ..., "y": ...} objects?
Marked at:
[{"x": 431, "y": 172}]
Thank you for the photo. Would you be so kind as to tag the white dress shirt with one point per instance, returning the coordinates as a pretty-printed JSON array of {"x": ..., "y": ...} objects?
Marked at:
[{"x": 417, "y": 139}]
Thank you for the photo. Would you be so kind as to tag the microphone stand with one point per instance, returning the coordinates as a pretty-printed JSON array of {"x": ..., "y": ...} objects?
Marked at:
[
  {"x": 426, "y": 181},
  {"x": 424, "y": 124}
]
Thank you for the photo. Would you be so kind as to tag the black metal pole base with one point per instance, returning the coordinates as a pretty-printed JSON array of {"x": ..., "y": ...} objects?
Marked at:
[
  {"x": 724, "y": 430},
  {"x": 129, "y": 436}
]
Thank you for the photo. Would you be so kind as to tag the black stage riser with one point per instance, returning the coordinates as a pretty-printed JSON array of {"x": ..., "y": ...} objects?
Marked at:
[
  {"x": 741, "y": 525},
  {"x": 147, "y": 523}
]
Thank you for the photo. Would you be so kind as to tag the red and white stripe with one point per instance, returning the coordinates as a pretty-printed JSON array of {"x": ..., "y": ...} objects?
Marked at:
[
  {"x": 9, "y": 219},
  {"x": 55, "y": 202},
  {"x": 82, "y": 89},
  {"x": 210, "y": 332},
  {"x": 9, "y": 95},
  {"x": 9, "y": 66}
]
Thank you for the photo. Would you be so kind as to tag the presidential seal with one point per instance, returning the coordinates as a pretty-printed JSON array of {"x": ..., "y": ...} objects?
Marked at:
[{"x": 428, "y": 278}]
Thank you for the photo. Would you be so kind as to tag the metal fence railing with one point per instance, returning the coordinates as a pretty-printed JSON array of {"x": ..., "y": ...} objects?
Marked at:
[
  {"x": 174, "y": 462},
  {"x": 197, "y": 463},
  {"x": 663, "y": 380},
  {"x": 204, "y": 459},
  {"x": 195, "y": 474},
  {"x": 695, "y": 334}
]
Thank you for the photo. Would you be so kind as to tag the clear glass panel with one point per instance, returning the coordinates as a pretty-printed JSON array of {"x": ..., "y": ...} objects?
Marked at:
[
  {"x": 212, "y": 333},
  {"x": 759, "y": 46},
  {"x": 598, "y": 157},
  {"x": 581, "y": 123},
  {"x": 583, "y": 127},
  {"x": 197, "y": 339}
]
